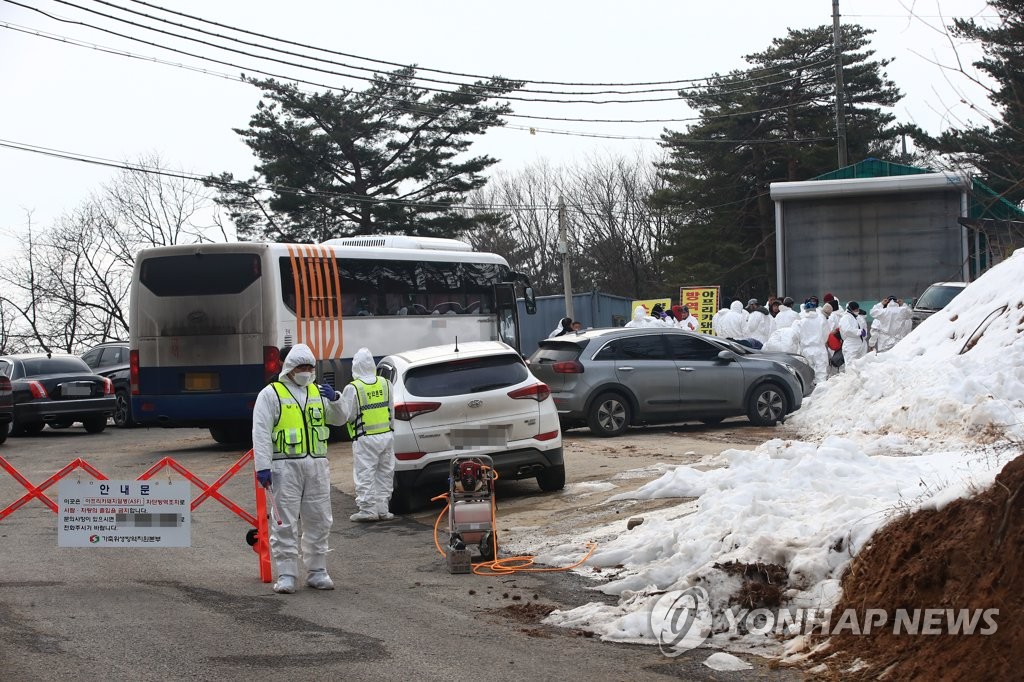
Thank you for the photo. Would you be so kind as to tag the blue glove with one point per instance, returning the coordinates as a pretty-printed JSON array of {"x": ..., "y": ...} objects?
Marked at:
[
  {"x": 863, "y": 333},
  {"x": 327, "y": 391},
  {"x": 264, "y": 477}
]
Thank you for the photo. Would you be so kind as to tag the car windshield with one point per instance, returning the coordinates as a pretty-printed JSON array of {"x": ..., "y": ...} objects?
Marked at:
[
  {"x": 472, "y": 375},
  {"x": 936, "y": 298},
  {"x": 37, "y": 366}
]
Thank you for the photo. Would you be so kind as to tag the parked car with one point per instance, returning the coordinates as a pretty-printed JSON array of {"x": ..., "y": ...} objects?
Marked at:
[
  {"x": 463, "y": 400},
  {"x": 110, "y": 359},
  {"x": 56, "y": 390},
  {"x": 6, "y": 407},
  {"x": 935, "y": 298},
  {"x": 610, "y": 379}
]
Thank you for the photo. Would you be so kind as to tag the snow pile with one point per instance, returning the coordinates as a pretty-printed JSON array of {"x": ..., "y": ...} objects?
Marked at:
[
  {"x": 958, "y": 374},
  {"x": 809, "y": 507}
]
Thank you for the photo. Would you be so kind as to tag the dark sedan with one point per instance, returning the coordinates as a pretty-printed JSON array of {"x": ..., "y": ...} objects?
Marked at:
[
  {"x": 6, "y": 407},
  {"x": 56, "y": 390}
]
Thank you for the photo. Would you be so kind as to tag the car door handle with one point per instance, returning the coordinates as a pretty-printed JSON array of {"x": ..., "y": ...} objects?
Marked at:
[
  {"x": 626, "y": 369},
  {"x": 686, "y": 369}
]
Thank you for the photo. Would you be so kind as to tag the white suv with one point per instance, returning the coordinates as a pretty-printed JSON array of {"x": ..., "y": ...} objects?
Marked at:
[{"x": 474, "y": 398}]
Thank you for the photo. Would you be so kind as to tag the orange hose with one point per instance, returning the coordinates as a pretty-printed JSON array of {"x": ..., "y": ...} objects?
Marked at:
[{"x": 508, "y": 565}]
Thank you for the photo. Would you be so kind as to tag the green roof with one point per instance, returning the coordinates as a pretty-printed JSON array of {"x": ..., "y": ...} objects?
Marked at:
[
  {"x": 872, "y": 168},
  {"x": 984, "y": 202}
]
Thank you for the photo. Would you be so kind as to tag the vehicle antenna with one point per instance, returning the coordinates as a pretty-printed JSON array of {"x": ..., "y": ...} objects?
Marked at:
[{"x": 456, "y": 344}]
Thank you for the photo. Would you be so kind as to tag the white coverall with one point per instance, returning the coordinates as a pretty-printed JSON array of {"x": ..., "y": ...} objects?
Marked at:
[
  {"x": 301, "y": 486},
  {"x": 811, "y": 330},
  {"x": 373, "y": 455},
  {"x": 854, "y": 345},
  {"x": 733, "y": 323},
  {"x": 759, "y": 326},
  {"x": 786, "y": 317},
  {"x": 640, "y": 318},
  {"x": 783, "y": 340},
  {"x": 888, "y": 323}
]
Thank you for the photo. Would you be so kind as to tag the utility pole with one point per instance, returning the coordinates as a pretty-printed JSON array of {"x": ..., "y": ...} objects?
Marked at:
[
  {"x": 563, "y": 248},
  {"x": 840, "y": 112}
]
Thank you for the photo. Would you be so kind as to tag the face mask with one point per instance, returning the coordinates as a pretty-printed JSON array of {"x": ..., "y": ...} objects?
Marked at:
[{"x": 303, "y": 378}]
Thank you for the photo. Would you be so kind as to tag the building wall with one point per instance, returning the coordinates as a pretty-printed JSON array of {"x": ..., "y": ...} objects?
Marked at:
[
  {"x": 593, "y": 309},
  {"x": 867, "y": 247}
]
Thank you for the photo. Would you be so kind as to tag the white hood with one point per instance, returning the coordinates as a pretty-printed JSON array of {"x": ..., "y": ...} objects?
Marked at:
[
  {"x": 299, "y": 354},
  {"x": 363, "y": 366}
]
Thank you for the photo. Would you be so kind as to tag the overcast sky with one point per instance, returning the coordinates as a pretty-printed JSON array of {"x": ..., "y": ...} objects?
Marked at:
[{"x": 84, "y": 101}]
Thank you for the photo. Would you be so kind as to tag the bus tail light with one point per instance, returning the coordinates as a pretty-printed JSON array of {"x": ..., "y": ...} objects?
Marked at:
[
  {"x": 133, "y": 371},
  {"x": 406, "y": 411},
  {"x": 538, "y": 392},
  {"x": 271, "y": 363}
]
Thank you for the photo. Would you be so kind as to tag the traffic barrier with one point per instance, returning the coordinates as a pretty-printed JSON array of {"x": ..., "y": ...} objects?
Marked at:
[{"x": 258, "y": 537}]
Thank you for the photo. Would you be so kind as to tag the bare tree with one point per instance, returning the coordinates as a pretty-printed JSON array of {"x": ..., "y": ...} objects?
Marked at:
[{"x": 70, "y": 286}]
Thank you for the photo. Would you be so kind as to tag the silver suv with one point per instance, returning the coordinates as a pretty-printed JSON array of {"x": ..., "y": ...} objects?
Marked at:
[
  {"x": 475, "y": 398},
  {"x": 610, "y": 379}
]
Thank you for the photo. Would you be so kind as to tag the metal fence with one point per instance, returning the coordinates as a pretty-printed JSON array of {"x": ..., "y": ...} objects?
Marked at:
[{"x": 593, "y": 309}]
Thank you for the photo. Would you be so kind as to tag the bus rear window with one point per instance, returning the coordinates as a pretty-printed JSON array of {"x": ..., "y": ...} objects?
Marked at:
[{"x": 203, "y": 274}]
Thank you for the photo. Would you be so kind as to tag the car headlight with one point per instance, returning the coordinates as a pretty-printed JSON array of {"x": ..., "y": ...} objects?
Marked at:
[{"x": 791, "y": 369}]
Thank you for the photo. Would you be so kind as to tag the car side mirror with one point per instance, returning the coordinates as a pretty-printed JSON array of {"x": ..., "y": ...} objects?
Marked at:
[
  {"x": 726, "y": 356},
  {"x": 529, "y": 301}
]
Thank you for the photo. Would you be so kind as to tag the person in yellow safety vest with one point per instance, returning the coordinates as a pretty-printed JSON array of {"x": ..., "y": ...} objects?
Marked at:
[
  {"x": 289, "y": 443},
  {"x": 370, "y": 410}
]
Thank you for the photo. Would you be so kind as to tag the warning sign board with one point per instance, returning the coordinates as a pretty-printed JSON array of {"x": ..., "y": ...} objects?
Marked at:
[{"x": 124, "y": 513}]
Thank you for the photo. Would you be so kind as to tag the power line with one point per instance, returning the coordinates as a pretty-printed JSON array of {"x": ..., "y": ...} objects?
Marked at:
[
  {"x": 481, "y": 89},
  {"x": 397, "y": 64},
  {"x": 708, "y": 79},
  {"x": 284, "y": 189},
  {"x": 420, "y": 108}
]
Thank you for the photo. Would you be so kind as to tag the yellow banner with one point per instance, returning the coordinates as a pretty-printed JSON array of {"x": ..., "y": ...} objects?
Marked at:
[
  {"x": 665, "y": 303},
  {"x": 702, "y": 302}
]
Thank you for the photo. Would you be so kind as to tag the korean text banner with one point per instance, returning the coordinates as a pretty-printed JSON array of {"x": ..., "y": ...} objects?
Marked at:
[{"x": 702, "y": 302}]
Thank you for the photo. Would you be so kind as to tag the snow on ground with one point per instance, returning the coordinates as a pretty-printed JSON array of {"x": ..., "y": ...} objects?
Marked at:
[{"x": 895, "y": 432}]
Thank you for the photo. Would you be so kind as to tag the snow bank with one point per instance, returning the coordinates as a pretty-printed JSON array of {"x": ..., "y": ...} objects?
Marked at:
[{"x": 810, "y": 506}]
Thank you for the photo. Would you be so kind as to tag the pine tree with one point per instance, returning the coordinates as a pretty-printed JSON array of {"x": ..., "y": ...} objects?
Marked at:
[
  {"x": 774, "y": 121},
  {"x": 391, "y": 158}
]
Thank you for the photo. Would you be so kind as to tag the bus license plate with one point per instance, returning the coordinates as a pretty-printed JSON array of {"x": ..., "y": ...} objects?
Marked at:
[{"x": 202, "y": 381}]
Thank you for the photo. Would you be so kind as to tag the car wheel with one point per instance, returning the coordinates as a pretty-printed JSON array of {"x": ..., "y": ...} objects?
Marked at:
[
  {"x": 232, "y": 434},
  {"x": 402, "y": 502},
  {"x": 95, "y": 424},
  {"x": 4, "y": 428},
  {"x": 609, "y": 415},
  {"x": 61, "y": 424},
  {"x": 123, "y": 410},
  {"x": 551, "y": 479},
  {"x": 487, "y": 543},
  {"x": 767, "y": 404}
]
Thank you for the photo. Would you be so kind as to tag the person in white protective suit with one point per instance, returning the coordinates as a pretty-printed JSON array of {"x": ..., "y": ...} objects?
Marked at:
[
  {"x": 369, "y": 408},
  {"x": 760, "y": 323},
  {"x": 854, "y": 332},
  {"x": 783, "y": 340},
  {"x": 640, "y": 318},
  {"x": 787, "y": 315},
  {"x": 564, "y": 327},
  {"x": 889, "y": 319},
  {"x": 732, "y": 324},
  {"x": 811, "y": 331},
  {"x": 289, "y": 443}
]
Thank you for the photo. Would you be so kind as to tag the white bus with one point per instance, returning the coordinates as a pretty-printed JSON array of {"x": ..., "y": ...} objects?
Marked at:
[{"x": 207, "y": 321}]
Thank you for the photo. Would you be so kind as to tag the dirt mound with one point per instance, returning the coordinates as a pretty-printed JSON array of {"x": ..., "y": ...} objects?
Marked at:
[{"x": 962, "y": 560}]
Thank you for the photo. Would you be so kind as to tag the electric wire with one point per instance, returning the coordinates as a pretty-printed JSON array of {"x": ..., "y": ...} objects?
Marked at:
[
  {"x": 463, "y": 86},
  {"x": 421, "y": 68},
  {"x": 474, "y": 86},
  {"x": 420, "y": 108}
]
